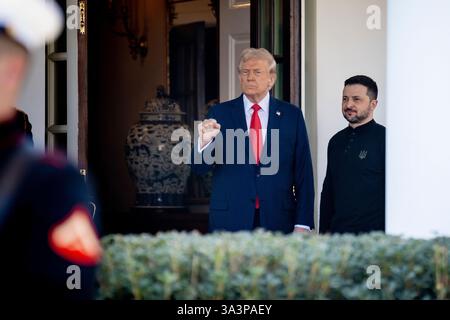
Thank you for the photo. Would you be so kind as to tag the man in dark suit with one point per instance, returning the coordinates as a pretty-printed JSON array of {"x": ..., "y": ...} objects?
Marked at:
[{"x": 265, "y": 179}]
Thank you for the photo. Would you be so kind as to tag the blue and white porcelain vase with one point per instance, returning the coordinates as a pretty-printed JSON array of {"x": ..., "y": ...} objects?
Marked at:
[{"x": 160, "y": 183}]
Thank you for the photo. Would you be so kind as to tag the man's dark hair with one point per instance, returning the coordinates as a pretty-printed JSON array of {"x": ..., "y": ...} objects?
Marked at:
[
  {"x": 372, "y": 88},
  {"x": 24, "y": 123}
]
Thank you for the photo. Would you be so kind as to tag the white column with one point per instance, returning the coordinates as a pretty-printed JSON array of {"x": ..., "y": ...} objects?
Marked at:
[{"x": 418, "y": 118}]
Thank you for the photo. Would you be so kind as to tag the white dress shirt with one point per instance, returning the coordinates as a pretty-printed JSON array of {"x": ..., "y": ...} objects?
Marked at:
[{"x": 263, "y": 113}]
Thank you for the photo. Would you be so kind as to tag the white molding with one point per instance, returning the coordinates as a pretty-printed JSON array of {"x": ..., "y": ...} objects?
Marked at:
[{"x": 235, "y": 41}]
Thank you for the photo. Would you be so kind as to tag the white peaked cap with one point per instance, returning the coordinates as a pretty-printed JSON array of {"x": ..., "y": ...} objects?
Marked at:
[{"x": 32, "y": 23}]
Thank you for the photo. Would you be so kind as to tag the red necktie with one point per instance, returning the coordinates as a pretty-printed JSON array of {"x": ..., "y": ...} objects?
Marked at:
[{"x": 256, "y": 139}]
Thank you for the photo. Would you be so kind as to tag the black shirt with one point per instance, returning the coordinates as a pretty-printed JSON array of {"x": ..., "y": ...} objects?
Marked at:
[{"x": 353, "y": 195}]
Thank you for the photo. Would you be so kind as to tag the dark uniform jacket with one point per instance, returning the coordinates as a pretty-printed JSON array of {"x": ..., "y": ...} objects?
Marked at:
[{"x": 42, "y": 193}]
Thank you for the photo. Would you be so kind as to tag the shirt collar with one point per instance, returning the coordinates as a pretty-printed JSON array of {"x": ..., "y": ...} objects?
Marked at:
[
  {"x": 264, "y": 103},
  {"x": 362, "y": 128}
]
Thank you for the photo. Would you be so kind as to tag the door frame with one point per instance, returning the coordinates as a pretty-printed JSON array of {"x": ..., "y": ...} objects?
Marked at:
[
  {"x": 292, "y": 66},
  {"x": 82, "y": 38}
]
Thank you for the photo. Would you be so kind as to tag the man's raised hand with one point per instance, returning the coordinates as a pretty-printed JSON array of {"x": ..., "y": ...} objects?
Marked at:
[{"x": 207, "y": 130}]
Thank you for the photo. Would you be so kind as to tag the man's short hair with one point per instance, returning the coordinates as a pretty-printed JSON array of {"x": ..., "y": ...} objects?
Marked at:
[
  {"x": 372, "y": 88},
  {"x": 258, "y": 54}
]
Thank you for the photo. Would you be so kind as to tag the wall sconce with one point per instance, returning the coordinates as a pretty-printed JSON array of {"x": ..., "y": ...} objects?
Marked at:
[{"x": 127, "y": 14}]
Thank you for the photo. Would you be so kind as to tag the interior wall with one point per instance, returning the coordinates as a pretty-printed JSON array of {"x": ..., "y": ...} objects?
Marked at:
[
  {"x": 32, "y": 99},
  {"x": 119, "y": 87},
  {"x": 417, "y": 152},
  {"x": 339, "y": 44}
]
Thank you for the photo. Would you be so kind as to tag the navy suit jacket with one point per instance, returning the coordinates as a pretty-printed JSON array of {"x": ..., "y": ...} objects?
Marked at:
[{"x": 286, "y": 198}]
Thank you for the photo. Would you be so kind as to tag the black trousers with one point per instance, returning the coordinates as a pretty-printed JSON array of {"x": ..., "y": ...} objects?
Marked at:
[{"x": 256, "y": 220}]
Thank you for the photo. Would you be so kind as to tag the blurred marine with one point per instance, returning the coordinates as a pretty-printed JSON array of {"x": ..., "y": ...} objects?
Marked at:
[{"x": 48, "y": 242}]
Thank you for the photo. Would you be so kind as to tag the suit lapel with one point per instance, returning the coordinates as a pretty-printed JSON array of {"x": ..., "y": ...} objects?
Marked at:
[
  {"x": 240, "y": 122},
  {"x": 238, "y": 114},
  {"x": 275, "y": 115}
]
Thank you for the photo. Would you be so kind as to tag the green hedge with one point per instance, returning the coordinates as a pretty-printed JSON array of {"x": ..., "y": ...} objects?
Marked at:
[{"x": 264, "y": 265}]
